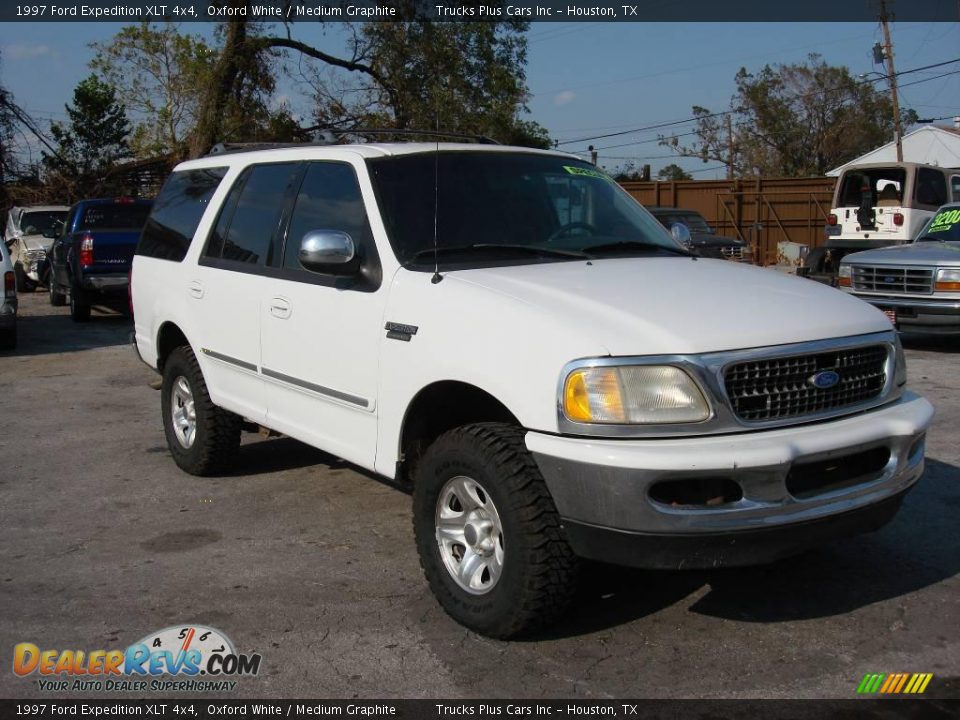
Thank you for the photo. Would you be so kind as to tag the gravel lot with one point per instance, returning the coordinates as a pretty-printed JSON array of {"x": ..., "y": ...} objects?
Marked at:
[{"x": 311, "y": 563}]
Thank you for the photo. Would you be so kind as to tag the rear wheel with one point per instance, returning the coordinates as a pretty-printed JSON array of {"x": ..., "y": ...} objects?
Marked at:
[
  {"x": 79, "y": 308},
  {"x": 203, "y": 438},
  {"x": 488, "y": 534}
]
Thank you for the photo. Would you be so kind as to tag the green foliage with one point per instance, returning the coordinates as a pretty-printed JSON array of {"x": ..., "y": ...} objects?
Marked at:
[
  {"x": 95, "y": 138},
  {"x": 466, "y": 77},
  {"x": 794, "y": 120},
  {"x": 673, "y": 172},
  {"x": 164, "y": 77}
]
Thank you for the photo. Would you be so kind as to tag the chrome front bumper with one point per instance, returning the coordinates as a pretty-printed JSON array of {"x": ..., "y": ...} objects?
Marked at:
[{"x": 607, "y": 483}]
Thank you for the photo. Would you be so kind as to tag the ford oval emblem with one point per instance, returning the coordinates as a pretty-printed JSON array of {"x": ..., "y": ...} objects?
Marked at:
[
  {"x": 889, "y": 280},
  {"x": 825, "y": 379}
]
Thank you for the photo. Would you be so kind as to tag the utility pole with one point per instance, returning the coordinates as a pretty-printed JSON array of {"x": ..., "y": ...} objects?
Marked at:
[
  {"x": 729, "y": 148},
  {"x": 892, "y": 77}
]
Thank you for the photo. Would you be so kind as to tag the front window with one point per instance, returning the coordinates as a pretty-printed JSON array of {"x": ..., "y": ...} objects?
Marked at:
[
  {"x": 38, "y": 222},
  {"x": 508, "y": 208}
]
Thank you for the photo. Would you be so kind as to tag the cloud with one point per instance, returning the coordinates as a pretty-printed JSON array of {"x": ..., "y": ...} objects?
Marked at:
[
  {"x": 22, "y": 51},
  {"x": 564, "y": 98}
]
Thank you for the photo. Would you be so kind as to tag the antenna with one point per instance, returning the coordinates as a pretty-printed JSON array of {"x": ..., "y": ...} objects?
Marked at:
[{"x": 437, "y": 277}]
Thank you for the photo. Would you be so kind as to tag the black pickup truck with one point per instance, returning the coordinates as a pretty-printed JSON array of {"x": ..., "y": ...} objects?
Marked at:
[{"x": 91, "y": 255}]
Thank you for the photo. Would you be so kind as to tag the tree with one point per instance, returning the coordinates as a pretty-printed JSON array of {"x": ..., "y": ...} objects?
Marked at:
[
  {"x": 164, "y": 77},
  {"x": 793, "y": 120},
  {"x": 468, "y": 77},
  {"x": 673, "y": 172},
  {"x": 94, "y": 140}
]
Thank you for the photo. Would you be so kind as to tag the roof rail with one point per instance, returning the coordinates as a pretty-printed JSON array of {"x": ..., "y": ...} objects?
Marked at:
[{"x": 332, "y": 136}]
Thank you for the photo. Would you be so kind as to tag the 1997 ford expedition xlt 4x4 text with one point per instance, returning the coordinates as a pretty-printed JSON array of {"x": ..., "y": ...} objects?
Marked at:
[{"x": 510, "y": 333}]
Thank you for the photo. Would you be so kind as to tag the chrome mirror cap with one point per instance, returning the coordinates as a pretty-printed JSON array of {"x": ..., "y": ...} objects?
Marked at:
[{"x": 325, "y": 248}]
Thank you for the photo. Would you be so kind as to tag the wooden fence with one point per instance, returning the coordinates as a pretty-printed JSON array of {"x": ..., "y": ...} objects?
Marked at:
[{"x": 760, "y": 211}]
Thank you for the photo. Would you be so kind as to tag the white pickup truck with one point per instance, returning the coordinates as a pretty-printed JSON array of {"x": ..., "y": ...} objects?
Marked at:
[{"x": 510, "y": 334}]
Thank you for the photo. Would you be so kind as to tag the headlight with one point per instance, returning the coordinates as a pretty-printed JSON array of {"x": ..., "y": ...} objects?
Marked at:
[
  {"x": 843, "y": 276},
  {"x": 900, "y": 372},
  {"x": 948, "y": 279},
  {"x": 633, "y": 394}
]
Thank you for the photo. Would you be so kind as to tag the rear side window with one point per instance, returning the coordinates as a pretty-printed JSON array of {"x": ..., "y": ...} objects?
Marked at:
[
  {"x": 177, "y": 212},
  {"x": 931, "y": 187},
  {"x": 248, "y": 223}
]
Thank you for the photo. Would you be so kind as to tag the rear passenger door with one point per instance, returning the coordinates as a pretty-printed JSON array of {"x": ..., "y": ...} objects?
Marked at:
[
  {"x": 229, "y": 282},
  {"x": 320, "y": 332}
]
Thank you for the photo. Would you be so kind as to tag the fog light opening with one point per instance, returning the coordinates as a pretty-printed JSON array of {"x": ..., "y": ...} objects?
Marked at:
[{"x": 696, "y": 492}]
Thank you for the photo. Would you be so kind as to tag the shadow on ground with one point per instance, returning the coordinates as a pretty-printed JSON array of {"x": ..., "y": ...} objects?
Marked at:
[
  {"x": 57, "y": 333},
  {"x": 920, "y": 547}
]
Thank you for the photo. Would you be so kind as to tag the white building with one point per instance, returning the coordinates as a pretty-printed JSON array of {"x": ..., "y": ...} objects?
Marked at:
[{"x": 929, "y": 144}]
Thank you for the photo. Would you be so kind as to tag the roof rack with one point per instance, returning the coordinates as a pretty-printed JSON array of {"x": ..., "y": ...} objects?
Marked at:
[{"x": 332, "y": 136}]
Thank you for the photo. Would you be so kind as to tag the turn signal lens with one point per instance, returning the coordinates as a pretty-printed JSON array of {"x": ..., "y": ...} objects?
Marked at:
[
  {"x": 843, "y": 276},
  {"x": 948, "y": 280},
  {"x": 9, "y": 285},
  {"x": 633, "y": 394}
]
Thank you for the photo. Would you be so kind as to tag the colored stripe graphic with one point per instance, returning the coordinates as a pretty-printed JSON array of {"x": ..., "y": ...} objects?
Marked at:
[{"x": 894, "y": 683}]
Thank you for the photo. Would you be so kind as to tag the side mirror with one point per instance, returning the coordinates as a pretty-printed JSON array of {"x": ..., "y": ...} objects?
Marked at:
[
  {"x": 681, "y": 233},
  {"x": 330, "y": 251}
]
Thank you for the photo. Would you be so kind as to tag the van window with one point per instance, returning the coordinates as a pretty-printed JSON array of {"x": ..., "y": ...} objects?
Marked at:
[
  {"x": 955, "y": 187},
  {"x": 177, "y": 212},
  {"x": 931, "y": 187},
  {"x": 329, "y": 199},
  {"x": 868, "y": 183},
  {"x": 251, "y": 230}
]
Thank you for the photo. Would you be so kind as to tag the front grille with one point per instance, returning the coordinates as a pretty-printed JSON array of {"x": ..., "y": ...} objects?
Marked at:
[
  {"x": 732, "y": 252},
  {"x": 893, "y": 279},
  {"x": 781, "y": 388}
]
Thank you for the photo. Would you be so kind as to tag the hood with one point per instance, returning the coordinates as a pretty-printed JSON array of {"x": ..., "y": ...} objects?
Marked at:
[
  {"x": 35, "y": 242},
  {"x": 927, "y": 252},
  {"x": 677, "y": 305}
]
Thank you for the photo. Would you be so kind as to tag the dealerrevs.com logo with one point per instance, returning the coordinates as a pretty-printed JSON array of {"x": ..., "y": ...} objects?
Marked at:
[{"x": 200, "y": 658}]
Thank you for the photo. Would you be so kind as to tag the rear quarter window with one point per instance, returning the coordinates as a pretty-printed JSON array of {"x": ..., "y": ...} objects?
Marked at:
[{"x": 177, "y": 212}]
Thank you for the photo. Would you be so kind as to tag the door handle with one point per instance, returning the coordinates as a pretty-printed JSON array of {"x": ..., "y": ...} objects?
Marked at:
[
  {"x": 280, "y": 307},
  {"x": 196, "y": 289}
]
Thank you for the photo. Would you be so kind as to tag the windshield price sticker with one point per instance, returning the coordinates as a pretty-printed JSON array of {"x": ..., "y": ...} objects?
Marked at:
[
  {"x": 587, "y": 172},
  {"x": 944, "y": 221}
]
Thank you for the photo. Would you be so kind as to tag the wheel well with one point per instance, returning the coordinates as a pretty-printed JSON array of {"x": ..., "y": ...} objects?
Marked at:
[
  {"x": 169, "y": 339},
  {"x": 441, "y": 407}
]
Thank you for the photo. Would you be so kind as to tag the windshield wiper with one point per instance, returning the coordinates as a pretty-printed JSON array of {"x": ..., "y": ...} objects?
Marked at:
[
  {"x": 635, "y": 245},
  {"x": 484, "y": 247}
]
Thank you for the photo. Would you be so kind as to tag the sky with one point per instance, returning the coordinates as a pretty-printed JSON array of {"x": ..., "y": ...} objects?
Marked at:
[{"x": 585, "y": 79}]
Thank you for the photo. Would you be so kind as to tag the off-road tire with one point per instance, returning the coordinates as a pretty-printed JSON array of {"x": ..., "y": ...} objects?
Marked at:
[
  {"x": 57, "y": 297},
  {"x": 217, "y": 431},
  {"x": 539, "y": 574},
  {"x": 79, "y": 308}
]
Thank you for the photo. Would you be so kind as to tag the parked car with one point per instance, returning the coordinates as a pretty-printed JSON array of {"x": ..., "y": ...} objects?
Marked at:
[
  {"x": 90, "y": 260},
  {"x": 877, "y": 205},
  {"x": 28, "y": 235},
  {"x": 8, "y": 303},
  {"x": 543, "y": 376},
  {"x": 703, "y": 240},
  {"x": 916, "y": 285}
]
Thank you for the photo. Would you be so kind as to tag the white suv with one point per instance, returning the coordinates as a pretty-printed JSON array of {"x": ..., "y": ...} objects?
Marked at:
[{"x": 513, "y": 335}]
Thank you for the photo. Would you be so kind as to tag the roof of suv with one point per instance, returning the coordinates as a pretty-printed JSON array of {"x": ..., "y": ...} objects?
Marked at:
[{"x": 363, "y": 150}]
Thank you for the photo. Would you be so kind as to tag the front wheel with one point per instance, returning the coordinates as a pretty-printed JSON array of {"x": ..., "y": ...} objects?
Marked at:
[
  {"x": 488, "y": 534},
  {"x": 203, "y": 438}
]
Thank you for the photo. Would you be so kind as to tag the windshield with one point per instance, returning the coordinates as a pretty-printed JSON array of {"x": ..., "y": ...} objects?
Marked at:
[
  {"x": 493, "y": 202},
  {"x": 696, "y": 223},
  {"x": 38, "y": 222},
  {"x": 117, "y": 216},
  {"x": 944, "y": 226}
]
